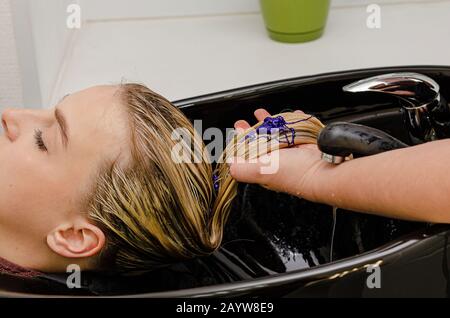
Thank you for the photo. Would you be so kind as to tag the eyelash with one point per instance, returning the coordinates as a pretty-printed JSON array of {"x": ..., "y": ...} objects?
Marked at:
[{"x": 38, "y": 140}]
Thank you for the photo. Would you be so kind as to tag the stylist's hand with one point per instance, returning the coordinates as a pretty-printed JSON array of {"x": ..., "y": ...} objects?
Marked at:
[{"x": 300, "y": 168}]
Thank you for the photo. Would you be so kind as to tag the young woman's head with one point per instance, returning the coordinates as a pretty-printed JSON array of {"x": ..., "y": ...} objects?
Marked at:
[
  {"x": 92, "y": 182},
  {"x": 49, "y": 159}
]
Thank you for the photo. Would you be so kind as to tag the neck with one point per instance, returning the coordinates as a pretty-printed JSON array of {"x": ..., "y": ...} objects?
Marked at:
[{"x": 28, "y": 252}]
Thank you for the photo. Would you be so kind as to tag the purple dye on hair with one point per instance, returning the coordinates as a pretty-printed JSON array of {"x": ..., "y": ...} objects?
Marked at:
[
  {"x": 278, "y": 123},
  {"x": 216, "y": 182}
]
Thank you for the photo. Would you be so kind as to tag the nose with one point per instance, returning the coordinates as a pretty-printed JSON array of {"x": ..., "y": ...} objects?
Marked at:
[{"x": 10, "y": 123}]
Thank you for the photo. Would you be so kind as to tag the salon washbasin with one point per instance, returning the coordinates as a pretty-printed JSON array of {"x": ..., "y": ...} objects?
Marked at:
[{"x": 278, "y": 245}]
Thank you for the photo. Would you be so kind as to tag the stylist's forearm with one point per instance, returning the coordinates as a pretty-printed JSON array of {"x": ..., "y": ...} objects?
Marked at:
[{"x": 411, "y": 183}]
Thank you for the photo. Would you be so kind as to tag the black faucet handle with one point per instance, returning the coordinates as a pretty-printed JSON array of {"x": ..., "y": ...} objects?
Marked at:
[{"x": 342, "y": 139}]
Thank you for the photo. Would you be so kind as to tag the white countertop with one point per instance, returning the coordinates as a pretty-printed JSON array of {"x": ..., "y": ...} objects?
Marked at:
[{"x": 185, "y": 57}]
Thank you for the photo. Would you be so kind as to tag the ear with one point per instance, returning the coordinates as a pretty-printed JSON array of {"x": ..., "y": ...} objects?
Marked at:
[{"x": 76, "y": 240}]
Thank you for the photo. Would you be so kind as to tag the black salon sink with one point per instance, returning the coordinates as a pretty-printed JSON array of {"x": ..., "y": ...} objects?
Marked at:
[{"x": 279, "y": 245}]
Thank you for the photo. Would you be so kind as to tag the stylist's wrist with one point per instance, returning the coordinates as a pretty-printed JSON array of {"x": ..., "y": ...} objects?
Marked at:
[{"x": 315, "y": 184}]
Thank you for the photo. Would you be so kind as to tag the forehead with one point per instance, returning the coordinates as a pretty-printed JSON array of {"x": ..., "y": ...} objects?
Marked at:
[
  {"x": 93, "y": 99},
  {"x": 97, "y": 119}
]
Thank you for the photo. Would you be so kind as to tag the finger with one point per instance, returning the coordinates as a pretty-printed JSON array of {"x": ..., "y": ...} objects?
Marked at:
[
  {"x": 266, "y": 171},
  {"x": 281, "y": 170},
  {"x": 249, "y": 171},
  {"x": 241, "y": 126},
  {"x": 307, "y": 146},
  {"x": 261, "y": 113}
]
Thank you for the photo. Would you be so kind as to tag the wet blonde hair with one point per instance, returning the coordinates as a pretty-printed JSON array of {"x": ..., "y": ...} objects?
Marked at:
[{"x": 156, "y": 211}]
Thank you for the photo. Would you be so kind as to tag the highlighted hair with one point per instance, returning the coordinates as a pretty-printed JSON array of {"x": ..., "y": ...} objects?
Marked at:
[{"x": 155, "y": 211}]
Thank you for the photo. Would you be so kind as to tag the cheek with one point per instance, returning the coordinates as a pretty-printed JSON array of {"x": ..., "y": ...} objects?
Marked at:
[{"x": 29, "y": 190}]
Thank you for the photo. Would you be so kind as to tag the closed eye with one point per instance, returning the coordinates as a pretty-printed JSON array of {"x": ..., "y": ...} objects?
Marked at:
[{"x": 38, "y": 140}]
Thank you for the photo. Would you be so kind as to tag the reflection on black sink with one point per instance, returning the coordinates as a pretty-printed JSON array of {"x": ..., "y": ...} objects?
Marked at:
[{"x": 276, "y": 244}]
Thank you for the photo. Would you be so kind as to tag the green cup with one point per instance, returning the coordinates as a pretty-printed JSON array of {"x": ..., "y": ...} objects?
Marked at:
[{"x": 295, "y": 20}]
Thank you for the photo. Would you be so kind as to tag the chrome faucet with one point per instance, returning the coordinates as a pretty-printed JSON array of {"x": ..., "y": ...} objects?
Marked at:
[{"x": 425, "y": 111}]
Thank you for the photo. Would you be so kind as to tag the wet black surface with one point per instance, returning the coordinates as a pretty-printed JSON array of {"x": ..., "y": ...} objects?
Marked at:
[{"x": 269, "y": 233}]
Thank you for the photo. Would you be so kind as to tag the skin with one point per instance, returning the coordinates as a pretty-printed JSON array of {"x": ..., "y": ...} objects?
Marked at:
[
  {"x": 410, "y": 183},
  {"x": 43, "y": 222}
]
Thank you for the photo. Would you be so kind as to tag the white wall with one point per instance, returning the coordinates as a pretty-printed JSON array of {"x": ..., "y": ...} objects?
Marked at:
[
  {"x": 42, "y": 39},
  {"x": 25, "y": 53},
  {"x": 44, "y": 42},
  {"x": 51, "y": 38},
  {"x": 123, "y": 9},
  {"x": 10, "y": 78}
]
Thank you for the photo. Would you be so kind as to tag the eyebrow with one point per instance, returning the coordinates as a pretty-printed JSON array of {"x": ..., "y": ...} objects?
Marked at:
[{"x": 61, "y": 120}]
